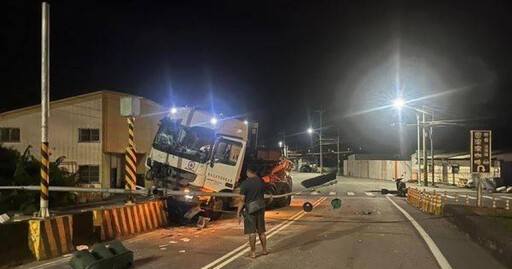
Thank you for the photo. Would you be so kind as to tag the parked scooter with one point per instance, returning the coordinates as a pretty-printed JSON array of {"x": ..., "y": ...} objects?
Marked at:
[{"x": 400, "y": 187}]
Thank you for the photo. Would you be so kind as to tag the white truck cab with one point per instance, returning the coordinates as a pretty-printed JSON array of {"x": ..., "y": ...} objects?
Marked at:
[{"x": 193, "y": 149}]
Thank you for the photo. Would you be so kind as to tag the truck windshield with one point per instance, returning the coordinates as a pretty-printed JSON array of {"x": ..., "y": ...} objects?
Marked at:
[{"x": 193, "y": 143}]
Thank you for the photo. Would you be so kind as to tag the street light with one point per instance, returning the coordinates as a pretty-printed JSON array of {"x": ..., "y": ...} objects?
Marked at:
[
  {"x": 280, "y": 144},
  {"x": 311, "y": 132},
  {"x": 246, "y": 122},
  {"x": 398, "y": 103},
  {"x": 213, "y": 121},
  {"x": 173, "y": 110}
]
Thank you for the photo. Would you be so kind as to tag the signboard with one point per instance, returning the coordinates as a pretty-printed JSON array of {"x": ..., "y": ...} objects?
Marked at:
[{"x": 481, "y": 151}]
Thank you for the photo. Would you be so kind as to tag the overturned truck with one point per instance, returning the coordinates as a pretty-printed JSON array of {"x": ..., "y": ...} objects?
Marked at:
[{"x": 194, "y": 151}]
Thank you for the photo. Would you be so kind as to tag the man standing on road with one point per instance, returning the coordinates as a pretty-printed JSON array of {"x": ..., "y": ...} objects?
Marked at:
[{"x": 253, "y": 206}]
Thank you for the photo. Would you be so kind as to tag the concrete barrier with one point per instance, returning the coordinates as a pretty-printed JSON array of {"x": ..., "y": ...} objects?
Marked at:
[
  {"x": 13, "y": 245},
  {"x": 51, "y": 237},
  {"x": 130, "y": 219}
]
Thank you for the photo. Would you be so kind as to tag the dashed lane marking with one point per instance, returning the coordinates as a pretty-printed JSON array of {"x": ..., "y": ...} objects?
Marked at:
[
  {"x": 369, "y": 194},
  {"x": 349, "y": 193}
]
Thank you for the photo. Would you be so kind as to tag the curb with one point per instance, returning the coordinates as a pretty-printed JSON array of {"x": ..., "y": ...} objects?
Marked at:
[{"x": 483, "y": 230}]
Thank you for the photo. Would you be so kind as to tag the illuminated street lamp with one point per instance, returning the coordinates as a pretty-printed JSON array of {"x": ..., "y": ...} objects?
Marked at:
[
  {"x": 311, "y": 132},
  {"x": 173, "y": 110},
  {"x": 213, "y": 121},
  {"x": 280, "y": 144},
  {"x": 398, "y": 103},
  {"x": 246, "y": 122}
]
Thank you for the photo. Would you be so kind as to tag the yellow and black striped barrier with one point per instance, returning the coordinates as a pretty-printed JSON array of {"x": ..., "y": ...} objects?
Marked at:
[
  {"x": 45, "y": 179},
  {"x": 50, "y": 237},
  {"x": 130, "y": 219},
  {"x": 431, "y": 203}
]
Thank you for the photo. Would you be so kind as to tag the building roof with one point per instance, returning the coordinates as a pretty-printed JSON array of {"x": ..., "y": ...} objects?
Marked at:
[{"x": 70, "y": 100}]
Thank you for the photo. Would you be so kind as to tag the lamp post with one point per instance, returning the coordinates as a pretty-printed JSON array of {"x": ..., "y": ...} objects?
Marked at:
[
  {"x": 399, "y": 103},
  {"x": 311, "y": 132}
]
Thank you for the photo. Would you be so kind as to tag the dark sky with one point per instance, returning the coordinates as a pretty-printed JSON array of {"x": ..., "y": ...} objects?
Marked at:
[{"x": 279, "y": 61}]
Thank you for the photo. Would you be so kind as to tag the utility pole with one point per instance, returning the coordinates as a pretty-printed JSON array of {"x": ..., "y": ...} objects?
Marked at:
[
  {"x": 45, "y": 110},
  {"x": 321, "y": 111},
  {"x": 418, "y": 152},
  {"x": 338, "y": 151},
  {"x": 432, "y": 150},
  {"x": 425, "y": 160}
]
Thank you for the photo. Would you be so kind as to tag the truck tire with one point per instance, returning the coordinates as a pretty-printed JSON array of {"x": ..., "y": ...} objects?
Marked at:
[
  {"x": 284, "y": 201},
  {"x": 270, "y": 189}
]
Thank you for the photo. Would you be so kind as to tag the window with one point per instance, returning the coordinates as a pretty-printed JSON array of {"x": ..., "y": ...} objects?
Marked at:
[
  {"x": 88, "y": 135},
  {"x": 227, "y": 152},
  {"x": 9, "y": 134},
  {"x": 89, "y": 173}
]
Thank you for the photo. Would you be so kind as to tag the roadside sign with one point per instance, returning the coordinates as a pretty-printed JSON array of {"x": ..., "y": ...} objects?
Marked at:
[{"x": 481, "y": 142}]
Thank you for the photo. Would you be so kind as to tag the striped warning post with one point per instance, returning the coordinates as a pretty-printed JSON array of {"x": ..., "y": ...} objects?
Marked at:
[
  {"x": 130, "y": 220},
  {"x": 45, "y": 179},
  {"x": 130, "y": 158},
  {"x": 50, "y": 237}
]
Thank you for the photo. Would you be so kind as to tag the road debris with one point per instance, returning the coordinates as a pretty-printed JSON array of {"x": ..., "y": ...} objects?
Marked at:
[
  {"x": 173, "y": 242},
  {"x": 182, "y": 251},
  {"x": 185, "y": 239}
]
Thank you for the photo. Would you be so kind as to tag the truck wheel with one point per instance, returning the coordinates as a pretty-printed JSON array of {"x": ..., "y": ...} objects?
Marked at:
[
  {"x": 284, "y": 201},
  {"x": 270, "y": 189}
]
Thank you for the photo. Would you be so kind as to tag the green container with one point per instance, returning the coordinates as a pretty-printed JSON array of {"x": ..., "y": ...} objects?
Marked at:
[{"x": 103, "y": 256}]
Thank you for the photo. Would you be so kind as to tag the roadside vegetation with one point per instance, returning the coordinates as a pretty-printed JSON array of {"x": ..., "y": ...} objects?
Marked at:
[{"x": 23, "y": 169}]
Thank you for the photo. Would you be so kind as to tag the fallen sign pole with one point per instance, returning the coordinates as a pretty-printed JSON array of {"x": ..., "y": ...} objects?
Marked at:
[{"x": 147, "y": 192}]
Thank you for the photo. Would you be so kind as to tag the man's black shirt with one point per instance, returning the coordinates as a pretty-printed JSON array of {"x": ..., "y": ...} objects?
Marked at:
[{"x": 253, "y": 189}]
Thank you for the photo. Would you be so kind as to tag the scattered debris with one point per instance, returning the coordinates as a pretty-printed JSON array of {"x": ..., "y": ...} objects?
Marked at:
[
  {"x": 163, "y": 246},
  {"x": 202, "y": 222},
  {"x": 82, "y": 247},
  {"x": 185, "y": 239},
  {"x": 367, "y": 212},
  {"x": 182, "y": 251},
  {"x": 4, "y": 218},
  {"x": 359, "y": 240},
  {"x": 173, "y": 242}
]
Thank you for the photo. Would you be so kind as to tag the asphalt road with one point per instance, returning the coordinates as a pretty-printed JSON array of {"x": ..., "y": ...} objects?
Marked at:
[{"x": 369, "y": 231}]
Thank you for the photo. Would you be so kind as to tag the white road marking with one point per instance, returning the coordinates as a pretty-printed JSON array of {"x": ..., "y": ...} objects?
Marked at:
[
  {"x": 369, "y": 194},
  {"x": 441, "y": 260},
  {"x": 349, "y": 193},
  {"x": 489, "y": 197},
  {"x": 506, "y": 197},
  {"x": 470, "y": 197},
  {"x": 268, "y": 236},
  {"x": 270, "y": 233},
  {"x": 332, "y": 193},
  {"x": 449, "y": 196}
]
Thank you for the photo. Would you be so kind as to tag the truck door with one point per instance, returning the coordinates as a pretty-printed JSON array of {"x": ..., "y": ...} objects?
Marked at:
[{"x": 225, "y": 165}]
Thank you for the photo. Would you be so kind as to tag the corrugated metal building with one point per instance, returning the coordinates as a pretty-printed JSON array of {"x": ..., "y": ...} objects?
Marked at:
[{"x": 89, "y": 131}]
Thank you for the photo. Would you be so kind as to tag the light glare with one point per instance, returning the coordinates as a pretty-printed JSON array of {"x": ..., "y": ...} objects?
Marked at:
[{"x": 398, "y": 103}]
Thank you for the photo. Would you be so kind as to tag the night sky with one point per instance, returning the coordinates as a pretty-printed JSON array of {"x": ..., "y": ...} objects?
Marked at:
[{"x": 279, "y": 61}]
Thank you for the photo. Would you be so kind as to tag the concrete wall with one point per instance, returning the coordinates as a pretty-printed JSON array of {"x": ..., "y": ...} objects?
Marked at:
[{"x": 377, "y": 169}]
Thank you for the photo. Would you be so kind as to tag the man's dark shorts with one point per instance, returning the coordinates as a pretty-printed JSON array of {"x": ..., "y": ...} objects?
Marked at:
[{"x": 255, "y": 222}]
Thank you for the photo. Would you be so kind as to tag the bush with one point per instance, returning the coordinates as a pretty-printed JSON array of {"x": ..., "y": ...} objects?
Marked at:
[{"x": 24, "y": 170}]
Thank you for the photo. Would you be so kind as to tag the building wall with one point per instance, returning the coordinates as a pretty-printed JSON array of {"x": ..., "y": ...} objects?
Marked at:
[
  {"x": 377, "y": 169},
  {"x": 65, "y": 120}
]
